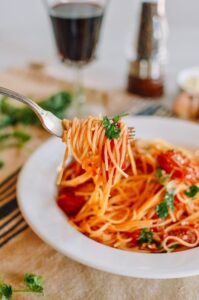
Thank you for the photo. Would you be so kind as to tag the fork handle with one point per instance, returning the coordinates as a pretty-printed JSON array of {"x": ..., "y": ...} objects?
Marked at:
[{"x": 21, "y": 98}]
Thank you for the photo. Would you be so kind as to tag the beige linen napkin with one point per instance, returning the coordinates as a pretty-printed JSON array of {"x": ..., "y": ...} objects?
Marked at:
[{"x": 66, "y": 279}]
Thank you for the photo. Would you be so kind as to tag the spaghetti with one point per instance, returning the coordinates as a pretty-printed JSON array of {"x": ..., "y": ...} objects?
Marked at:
[{"x": 136, "y": 196}]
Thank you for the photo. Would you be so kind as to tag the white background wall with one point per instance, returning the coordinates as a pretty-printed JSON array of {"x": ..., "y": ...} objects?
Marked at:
[{"x": 25, "y": 35}]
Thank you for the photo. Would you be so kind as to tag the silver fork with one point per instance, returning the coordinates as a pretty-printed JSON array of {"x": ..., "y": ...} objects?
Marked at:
[{"x": 48, "y": 120}]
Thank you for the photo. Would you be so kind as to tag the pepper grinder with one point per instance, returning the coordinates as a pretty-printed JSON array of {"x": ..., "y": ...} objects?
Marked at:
[{"x": 146, "y": 70}]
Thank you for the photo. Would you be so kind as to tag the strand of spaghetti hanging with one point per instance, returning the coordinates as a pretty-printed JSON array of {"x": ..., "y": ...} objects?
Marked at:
[{"x": 99, "y": 145}]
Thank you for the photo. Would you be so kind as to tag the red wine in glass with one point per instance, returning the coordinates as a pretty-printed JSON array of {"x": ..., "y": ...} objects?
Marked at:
[{"x": 76, "y": 27}]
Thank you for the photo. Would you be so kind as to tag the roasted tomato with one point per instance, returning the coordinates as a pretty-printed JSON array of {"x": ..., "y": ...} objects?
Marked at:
[
  {"x": 179, "y": 166},
  {"x": 69, "y": 201},
  {"x": 71, "y": 205}
]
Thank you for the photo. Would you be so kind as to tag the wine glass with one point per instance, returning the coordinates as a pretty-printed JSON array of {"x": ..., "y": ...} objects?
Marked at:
[{"x": 76, "y": 25}]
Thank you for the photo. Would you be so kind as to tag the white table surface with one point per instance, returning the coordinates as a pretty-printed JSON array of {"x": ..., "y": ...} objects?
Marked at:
[{"x": 25, "y": 35}]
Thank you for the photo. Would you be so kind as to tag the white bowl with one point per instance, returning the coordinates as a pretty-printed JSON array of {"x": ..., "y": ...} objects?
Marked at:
[{"x": 36, "y": 196}]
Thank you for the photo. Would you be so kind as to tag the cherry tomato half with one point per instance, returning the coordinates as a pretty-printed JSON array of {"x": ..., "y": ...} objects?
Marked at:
[
  {"x": 70, "y": 204},
  {"x": 179, "y": 166}
]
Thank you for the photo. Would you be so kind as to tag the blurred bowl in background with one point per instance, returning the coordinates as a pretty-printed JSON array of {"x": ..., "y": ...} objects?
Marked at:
[
  {"x": 188, "y": 80},
  {"x": 186, "y": 104}
]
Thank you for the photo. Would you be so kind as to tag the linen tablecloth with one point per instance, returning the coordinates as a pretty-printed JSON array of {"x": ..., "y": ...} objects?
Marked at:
[{"x": 22, "y": 251}]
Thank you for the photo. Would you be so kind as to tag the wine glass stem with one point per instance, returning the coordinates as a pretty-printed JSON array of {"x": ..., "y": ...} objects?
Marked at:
[{"x": 78, "y": 90}]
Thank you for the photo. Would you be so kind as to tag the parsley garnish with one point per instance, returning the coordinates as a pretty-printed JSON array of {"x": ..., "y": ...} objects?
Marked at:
[
  {"x": 192, "y": 191},
  {"x": 174, "y": 246},
  {"x": 18, "y": 135},
  {"x": 161, "y": 175},
  {"x": 162, "y": 209},
  {"x": 33, "y": 284},
  {"x": 146, "y": 236},
  {"x": 111, "y": 126},
  {"x": 159, "y": 172},
  {"x": 15, "y": 138},
  {"x": 116, "y": 118},
  {"x": 1, "y": 164},
  {"x": 5, "y": 291},
  {"x": 112, "y": 129},
  {"x": 21, "y": 136}
]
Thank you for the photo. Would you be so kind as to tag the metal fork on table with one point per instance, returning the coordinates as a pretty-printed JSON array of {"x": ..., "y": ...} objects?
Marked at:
[
  {"x": 8, "y": 188},
  {"x": 12, "y": 222},
  {"x": 48, "y": 120}
]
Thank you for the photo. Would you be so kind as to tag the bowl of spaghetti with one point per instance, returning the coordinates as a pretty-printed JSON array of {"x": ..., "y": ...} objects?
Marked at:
[{"x": 130, "y": 207}]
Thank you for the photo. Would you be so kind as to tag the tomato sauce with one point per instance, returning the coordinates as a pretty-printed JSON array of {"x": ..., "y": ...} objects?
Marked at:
[{"x": 185, "y": 234}]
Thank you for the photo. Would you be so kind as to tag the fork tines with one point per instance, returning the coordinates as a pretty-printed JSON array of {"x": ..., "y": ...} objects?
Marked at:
[{"x": 131, "y": 133}]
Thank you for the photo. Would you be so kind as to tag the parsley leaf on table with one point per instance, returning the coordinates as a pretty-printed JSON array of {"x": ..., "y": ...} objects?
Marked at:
[
  {"x": 5, "y": 291},
  {"x": 33, "y": 282},
  {"x": 1, "y": 164},
  {"x": 19, "y": 135},
  {"x": 12, "y": 115},
  {"x": 15, "y": 138}
]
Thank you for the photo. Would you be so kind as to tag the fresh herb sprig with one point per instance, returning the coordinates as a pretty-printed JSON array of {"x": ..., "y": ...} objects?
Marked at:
[
  {"x": 162, "y": 209},
  {"x": 15, "y": 138},
  {"x": 174, "y": 246},
  {"x": 146, "y": 236},
  {"x": 11, "y": 115},
  {"x": 161, "y": 176},
  {"x": 19, "y": 135},
  {"x": 192, "y": 191},
  {"x": 32, "y": 282},
  {"x": 5, "y": 291},
  {"x": 112, "y": 129},
  {"x": 2, "y": 163}
]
